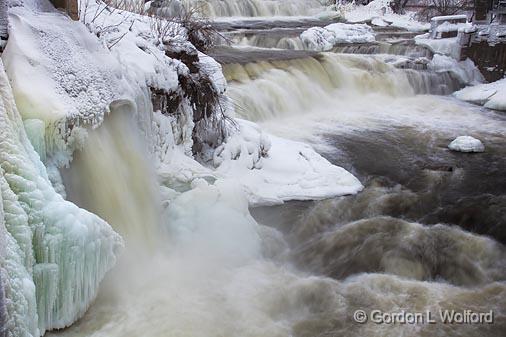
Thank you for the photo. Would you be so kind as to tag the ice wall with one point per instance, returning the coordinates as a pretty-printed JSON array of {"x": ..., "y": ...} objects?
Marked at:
[{"x": 56, "y": 253}]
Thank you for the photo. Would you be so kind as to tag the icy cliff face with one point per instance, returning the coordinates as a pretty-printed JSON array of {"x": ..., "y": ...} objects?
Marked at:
[{"x": 56, "y": 253}]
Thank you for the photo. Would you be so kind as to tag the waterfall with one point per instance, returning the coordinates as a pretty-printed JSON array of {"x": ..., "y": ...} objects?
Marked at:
[
  {"x": 255, "y": 8},
  {"x": 265, "y": 90},
  {"x": 113, "y": 177}
]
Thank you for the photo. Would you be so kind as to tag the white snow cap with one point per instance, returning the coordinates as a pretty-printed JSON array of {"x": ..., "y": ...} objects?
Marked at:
[{"x": 467, "y": 144}]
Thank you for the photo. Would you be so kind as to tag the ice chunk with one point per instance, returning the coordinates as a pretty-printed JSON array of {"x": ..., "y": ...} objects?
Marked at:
[{"x": 467, "y": 144}]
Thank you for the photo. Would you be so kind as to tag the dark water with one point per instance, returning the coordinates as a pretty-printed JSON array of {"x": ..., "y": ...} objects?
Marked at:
[{"x": 410, "y": 177}]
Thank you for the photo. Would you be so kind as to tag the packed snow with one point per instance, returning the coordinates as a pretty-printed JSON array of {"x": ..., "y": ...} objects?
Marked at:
[
  {"x": 466, "y": 144},
  {"x": 325, "y": 38},
  {"x": 491, "y": 95},
  {"x": 274, "y": 169}
]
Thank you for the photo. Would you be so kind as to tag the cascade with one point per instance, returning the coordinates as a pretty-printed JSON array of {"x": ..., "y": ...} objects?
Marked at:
[
  {"x": 255, "y": 8},
  {"x": 112, "y": 171},
  {"x": 264, "y": 90}
]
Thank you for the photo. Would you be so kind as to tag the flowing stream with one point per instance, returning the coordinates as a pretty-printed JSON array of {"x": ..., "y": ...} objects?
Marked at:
[{"x": 426, "y": 234}]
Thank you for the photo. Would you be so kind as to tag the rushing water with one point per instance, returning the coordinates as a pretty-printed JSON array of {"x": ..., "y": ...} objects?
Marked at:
[
  {"x": 255, "y": 8},
  {"x": 426, "y": 234},
  {"x": 111, "y": 172}
]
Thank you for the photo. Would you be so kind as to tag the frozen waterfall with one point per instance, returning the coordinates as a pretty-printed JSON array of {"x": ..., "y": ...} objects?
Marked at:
[{"x": 55, "y": 254}]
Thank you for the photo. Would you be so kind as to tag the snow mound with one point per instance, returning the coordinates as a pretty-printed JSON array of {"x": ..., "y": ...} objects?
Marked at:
[
  {"x": 466, "y": 144},
  {"x": 490, "y": 95},
  {"x": 325, "y": 38},
  {"x": 71, "y": 74},
  {"x": 274, "y": 169}
]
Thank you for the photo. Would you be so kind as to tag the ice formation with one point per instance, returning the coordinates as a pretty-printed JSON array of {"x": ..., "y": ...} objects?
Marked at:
[
  {"x": 466, "y": 144},
  {"x": 465, "y": 71},
  {"x": 56, "y": 253},
  {"x": 449, "y": 46}
]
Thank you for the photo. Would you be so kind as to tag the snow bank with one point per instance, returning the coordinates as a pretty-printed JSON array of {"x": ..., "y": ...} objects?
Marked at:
[
  {"x": 325, "y": 38},
  {"x": 466, "y": 144},
  {"x": 449, "y": 17},
  {"x": 71, "y": 74},
  {"x": 54, "y": 248},
  {"x": 379, "y": 12},
  {"x": 490, "y": 95},
  {"x": 60, "y": 75},
  {"x": 269, "y": 169},
  {"x": 274, "y": 170}
]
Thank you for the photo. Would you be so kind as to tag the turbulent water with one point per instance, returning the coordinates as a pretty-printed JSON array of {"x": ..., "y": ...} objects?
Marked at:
[{"x": 426, "y": 234}]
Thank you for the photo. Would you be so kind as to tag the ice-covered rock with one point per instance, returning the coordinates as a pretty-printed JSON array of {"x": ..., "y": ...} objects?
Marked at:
[
  {"x": 325, "y": 38},
  {"x": 466, "y": 144}
]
